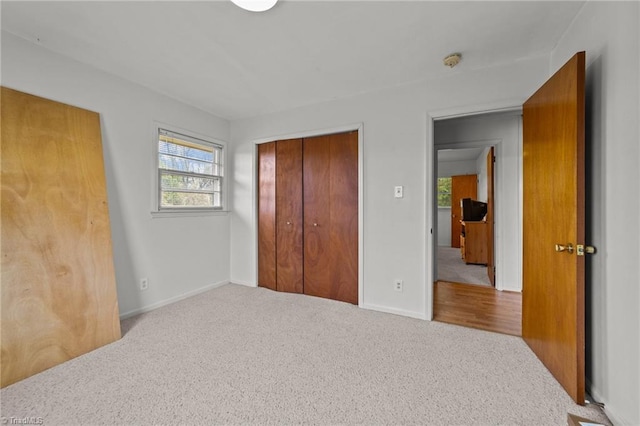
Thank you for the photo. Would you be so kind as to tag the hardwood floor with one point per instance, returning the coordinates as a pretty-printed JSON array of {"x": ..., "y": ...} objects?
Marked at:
[{"x": 478, "y": 307}]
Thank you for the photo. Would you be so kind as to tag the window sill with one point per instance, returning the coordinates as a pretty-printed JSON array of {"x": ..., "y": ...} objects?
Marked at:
[
  {"x": 190, "y": 213},
  {"x": 448, "y": 208}
]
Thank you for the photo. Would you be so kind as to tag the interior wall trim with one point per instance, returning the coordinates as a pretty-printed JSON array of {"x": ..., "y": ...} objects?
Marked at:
[
  {"x": 387, "y": 310},
  {"x": 154, "y": 306},
  {"x": 430, "y": 171}
]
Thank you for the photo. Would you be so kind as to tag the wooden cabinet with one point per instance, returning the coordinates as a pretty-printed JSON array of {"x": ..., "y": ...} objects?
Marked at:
[
  {"x": 463, "y": 186},
  {"x": 474, "y": 242},
  {"x": 308, "y": 216}
]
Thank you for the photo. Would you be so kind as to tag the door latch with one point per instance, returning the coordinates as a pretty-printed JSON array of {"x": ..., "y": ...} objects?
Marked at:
[{"x": 582, "y": 249}]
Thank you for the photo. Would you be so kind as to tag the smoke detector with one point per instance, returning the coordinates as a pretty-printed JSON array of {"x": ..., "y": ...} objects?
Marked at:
[{"x": 452, "y": 60}]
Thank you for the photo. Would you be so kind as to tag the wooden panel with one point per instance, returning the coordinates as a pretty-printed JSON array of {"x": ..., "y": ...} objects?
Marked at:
[
  {"x": 475, "y": 242},
  {"x": 331, "y": 216},
  {"x": 289, "y": 216},
  {"x": 490, "y": 216},
  {"x": 58, "y": 284},
  {"x": 477, "y": 307},
  {"x": 267, "y": 215},
  {"x": 553, "y": 282},
  {"x": 464, "y": 186}
]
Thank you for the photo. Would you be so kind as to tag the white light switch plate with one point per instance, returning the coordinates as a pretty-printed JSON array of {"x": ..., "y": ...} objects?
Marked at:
[{"x": 398, "y": 191}]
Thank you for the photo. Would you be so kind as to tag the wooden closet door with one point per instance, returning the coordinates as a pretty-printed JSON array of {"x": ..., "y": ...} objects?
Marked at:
[
  {"x": 58, "y": 282},
  {"x": 267, "y": 215},
  {"x": 289, "y": 227},
  {"x": 330, "y": 168}
]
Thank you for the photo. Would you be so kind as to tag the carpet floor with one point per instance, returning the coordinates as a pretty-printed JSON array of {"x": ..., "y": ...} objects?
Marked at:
[
  {"x": 452, "y": 268},
  {"x": 248, "y": 355}
]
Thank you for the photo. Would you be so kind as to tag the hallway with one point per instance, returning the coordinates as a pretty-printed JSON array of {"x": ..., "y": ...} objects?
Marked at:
[{"x": 478, "y": 307}]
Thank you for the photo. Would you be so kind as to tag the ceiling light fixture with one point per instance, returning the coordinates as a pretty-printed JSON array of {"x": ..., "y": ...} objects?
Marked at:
[
  {"x": 452, "y": 60},
  {"x": 255, "y": 5}
]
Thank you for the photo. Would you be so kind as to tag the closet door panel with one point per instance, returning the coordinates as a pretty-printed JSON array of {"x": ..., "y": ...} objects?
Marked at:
[
  {"x": 343, "y": 181},
  {"x": 331, "y": 216},
  {"x": 267, "y": 215},
  {"x": 289, "y": 226},
  {"x": 317, "y": 259}
]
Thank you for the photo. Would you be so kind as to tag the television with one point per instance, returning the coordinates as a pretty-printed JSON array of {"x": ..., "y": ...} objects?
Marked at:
[{"x": 473, "y": 210}]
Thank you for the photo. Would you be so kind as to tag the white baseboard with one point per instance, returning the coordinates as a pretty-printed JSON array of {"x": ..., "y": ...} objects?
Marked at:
[
  {"x": 401, "y": 312},
  {"x": 611, "y": 413},
  {"x": 171, "y": 300},
  {"x": 245, "y": 283}
]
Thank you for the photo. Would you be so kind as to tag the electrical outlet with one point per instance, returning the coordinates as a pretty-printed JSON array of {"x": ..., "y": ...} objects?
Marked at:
[
  {"x": 398, "y": 191},
  {"x": 397, "y": 285},
  {"x": 144, "y": 284}
]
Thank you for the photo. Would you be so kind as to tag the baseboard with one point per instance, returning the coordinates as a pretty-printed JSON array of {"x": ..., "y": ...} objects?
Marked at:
[
  {"x": 171, "y": 300},
  {"x": 611, "y": 413},
  {"x": 245, "y": 283},
  {"x": 401, "y": 312}
]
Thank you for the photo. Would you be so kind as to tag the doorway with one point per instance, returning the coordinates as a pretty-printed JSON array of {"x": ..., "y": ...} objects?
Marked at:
[{"x": 477, "y": 274}]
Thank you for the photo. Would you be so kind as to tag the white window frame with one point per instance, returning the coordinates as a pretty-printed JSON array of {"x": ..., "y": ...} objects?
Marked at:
[{"x": 156, "y": 209}]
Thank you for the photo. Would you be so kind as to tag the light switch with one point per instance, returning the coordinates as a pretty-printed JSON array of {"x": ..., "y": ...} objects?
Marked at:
[{"x": 398, "y": 191}]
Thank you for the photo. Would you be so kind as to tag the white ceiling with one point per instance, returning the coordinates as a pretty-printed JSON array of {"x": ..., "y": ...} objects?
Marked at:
[
  {"x": 466, "y": 154},
  {"x": 235, "y": 64}
]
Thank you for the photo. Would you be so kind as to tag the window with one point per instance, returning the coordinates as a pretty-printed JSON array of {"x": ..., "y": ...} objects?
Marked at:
[
  {"x": 444, "y": 192},
  {"x": 190, "y": 173}
]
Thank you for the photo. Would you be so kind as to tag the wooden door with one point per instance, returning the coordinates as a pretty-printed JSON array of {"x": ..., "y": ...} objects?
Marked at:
[
  {"x": 490, "y": 217},
  {"x": 331, "y": 216},
  {"x": 553, "y": 281},
  {"x": 465, "y": 186},
  {"x": 58, "y": 284},
  {"x": 289, "y": 226},
  {"x": 267, "y": 215}
]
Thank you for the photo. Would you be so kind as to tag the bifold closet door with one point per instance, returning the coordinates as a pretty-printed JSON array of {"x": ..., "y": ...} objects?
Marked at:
[
  {"x": 289, "y": 216},
  {"x": 267, "y": 215},
  {"x": 330, "y": 195}
]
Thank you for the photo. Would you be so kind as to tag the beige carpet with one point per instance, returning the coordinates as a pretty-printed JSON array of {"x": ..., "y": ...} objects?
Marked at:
[
  {"x": 245, "y": 355},
  {"x": 452, "y": 268}
]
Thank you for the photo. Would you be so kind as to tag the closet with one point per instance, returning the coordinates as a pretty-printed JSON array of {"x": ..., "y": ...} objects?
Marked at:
[{"x": 308, "y": 216}]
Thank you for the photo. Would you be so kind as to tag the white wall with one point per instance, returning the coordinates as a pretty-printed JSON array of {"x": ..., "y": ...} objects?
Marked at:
[
  {"x": 178, "y": 255},
  {"x": 504, "y": 131},
  {"x": 608, "y": 32},
  {"x": 397, "y": 151}
]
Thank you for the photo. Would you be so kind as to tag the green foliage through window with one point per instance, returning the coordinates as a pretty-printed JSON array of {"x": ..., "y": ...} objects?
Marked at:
[
  {"x": 444, "y": 192},
  {"x": 189, "y": 171}
]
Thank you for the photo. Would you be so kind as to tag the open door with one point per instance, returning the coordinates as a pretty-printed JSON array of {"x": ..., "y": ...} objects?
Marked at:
[
  {"x": 491, "y": 270},
  {"x": 553, "y": 259}
]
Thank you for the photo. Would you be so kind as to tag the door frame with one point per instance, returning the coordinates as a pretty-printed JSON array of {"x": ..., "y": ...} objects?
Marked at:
[
  {"x": 485, "y": 143},
  {"x": 431, "y": 212},
  {"x": 359, "y": 127}
]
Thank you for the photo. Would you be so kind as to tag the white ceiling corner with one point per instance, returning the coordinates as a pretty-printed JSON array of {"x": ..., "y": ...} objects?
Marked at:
[{"x": 237, "y": 64}]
